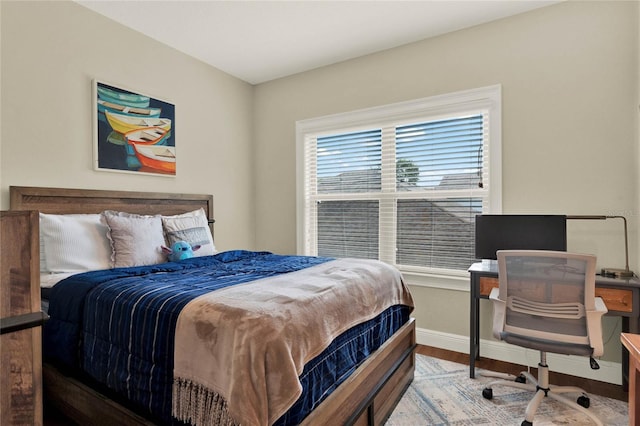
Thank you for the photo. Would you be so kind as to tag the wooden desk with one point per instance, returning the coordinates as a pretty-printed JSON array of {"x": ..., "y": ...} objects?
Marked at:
[
  {"x": 632, "y": 343},
  {"x": 622, "y": 297}
]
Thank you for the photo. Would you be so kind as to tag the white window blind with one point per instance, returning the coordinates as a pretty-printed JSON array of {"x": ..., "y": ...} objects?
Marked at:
[{"x": 401, "y": 183}]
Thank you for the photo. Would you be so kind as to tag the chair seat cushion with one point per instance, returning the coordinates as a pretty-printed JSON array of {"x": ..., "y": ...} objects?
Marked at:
[{"x": 546, "y": 345}]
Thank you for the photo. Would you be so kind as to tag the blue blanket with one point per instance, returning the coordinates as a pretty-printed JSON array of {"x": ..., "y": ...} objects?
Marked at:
[{"x": 118, "y": 325}]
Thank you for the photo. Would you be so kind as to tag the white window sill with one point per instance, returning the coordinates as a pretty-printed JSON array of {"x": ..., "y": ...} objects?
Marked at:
[{"x": 435, "y": 280}]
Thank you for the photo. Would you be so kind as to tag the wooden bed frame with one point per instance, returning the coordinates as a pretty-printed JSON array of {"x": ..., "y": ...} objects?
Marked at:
[{"x": 367, "y": 397}]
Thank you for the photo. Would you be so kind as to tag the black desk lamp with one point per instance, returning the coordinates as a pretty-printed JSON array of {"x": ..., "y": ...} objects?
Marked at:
[{"x": 613, "y": 272}]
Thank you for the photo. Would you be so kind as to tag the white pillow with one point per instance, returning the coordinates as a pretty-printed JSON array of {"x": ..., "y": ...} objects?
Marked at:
[
  {"x": 74, "y": 243},
  {"x": 192, "y": 227},
  {"x": 136, "y": 240},
  {"x": 43, "y": 259}
]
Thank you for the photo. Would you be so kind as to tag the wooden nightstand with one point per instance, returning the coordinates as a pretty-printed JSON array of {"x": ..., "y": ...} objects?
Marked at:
[{"x": 632, "y": 343}]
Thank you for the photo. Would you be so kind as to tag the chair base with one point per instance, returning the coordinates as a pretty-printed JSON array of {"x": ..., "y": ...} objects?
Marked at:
[{"x": 542, "y": 389}]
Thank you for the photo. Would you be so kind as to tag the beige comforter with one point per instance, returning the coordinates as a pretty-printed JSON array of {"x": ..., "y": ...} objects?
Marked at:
[{"x": 239, "y": 350}]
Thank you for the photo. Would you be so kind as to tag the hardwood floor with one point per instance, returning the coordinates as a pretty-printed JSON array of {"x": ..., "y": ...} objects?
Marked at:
[
  {"x": 54, "y": 418},
  {"x": 590, "y": 386}
]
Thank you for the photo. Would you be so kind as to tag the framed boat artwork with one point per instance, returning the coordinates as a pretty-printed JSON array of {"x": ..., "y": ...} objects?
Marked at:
[{"x": 134, "y": 133}]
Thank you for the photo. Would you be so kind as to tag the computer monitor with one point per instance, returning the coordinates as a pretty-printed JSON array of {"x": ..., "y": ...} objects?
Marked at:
[{"x": 519, "y": 232}]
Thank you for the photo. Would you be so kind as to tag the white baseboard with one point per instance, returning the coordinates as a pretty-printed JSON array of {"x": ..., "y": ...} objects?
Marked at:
[{"x": 610, "y": 372}]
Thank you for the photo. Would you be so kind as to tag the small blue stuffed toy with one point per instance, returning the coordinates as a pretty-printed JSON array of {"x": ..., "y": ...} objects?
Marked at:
[{"x": 180, "y": 250}]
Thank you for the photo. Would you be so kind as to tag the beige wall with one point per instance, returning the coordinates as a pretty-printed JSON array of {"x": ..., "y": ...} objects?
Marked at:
[
  {"x": 51, "y": 51},
  {"x": 568, "y": 76}
]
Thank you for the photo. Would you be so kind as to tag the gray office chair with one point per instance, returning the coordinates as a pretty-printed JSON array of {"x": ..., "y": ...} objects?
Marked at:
[{"x": 546, "y": 302}]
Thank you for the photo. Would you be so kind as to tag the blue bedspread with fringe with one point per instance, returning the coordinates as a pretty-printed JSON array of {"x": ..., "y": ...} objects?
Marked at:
[{"x": 118, "y": 326}]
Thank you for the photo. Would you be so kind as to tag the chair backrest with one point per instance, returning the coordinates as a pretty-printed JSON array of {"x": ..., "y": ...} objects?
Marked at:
[{"x": 547, "y": 294}]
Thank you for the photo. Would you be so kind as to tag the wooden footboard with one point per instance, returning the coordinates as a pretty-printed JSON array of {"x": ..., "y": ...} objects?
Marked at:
[
  {"x": 367, "y": 398},
  {"x": 371, "y": 393},
  {"x": 82, "y": 404}
]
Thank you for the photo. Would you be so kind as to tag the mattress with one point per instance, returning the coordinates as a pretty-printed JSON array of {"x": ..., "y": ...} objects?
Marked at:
[{"x": 117, "y": 326}]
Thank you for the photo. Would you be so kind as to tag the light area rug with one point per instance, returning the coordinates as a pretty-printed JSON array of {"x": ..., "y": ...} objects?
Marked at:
[{"x": 443, "y": 394}]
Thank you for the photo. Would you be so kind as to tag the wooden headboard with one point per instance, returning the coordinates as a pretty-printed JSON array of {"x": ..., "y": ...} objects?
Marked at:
[{"x": 67, "y": 201}]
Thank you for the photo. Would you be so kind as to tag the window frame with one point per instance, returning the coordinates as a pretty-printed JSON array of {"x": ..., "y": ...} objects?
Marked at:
[{"x": 434, "y": 107}]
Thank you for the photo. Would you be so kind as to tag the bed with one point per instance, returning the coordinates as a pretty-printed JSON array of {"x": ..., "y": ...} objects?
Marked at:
[{"x": 367, "y": 395}]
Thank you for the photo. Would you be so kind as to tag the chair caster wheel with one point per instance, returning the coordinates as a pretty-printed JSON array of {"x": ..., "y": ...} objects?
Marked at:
[
  {"x": 584, "y": 401},
  {"x": 526, "y": 423},
  {"x": 521, "y": 379},
  {"x": 487, "y": 393}
]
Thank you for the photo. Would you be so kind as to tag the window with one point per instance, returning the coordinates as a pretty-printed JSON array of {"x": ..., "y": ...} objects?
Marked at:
[{"x": 401, "y": 183}]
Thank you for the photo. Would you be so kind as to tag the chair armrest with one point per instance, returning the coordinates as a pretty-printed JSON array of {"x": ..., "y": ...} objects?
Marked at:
[
  {"x": 601, "y": 306},
  {"x": 594, "y": 326},
  {"x": 495, "y": 293},
  {"x": 499, "y": 312}
]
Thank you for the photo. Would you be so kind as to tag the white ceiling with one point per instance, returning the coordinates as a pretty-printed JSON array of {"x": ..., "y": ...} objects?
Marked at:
[{"x": 258, "y": 41}]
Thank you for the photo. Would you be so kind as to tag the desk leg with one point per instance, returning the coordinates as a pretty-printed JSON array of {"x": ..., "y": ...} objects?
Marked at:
[
  {"x": 474, "y": 328},
  {"x": 633, "y": 324}
]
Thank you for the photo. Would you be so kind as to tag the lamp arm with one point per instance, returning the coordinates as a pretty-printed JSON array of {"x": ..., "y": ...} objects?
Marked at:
[{"x": 626, "y": 239}]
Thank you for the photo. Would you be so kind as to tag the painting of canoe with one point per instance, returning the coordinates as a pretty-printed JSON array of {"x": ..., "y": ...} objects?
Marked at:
[
  {"x": 122, "y": 98},
  {"x": 125, "y": 119},
  {"x": 125, "y": 123},
  {"x": 147, "y": 136},
  {"x": 156, "y": 157},
  {"x": 127, "y": 110}
]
